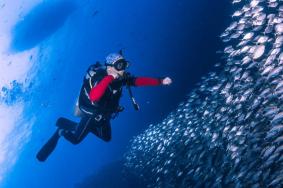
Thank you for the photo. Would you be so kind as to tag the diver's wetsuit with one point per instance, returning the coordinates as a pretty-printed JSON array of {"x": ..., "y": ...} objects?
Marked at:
[
  {"x": 99, "y": 102},
  {"x": 101, "y": 128}
]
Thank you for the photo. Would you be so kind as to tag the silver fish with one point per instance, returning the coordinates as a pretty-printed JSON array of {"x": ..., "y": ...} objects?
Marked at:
[{"x": 229, "y": 132}]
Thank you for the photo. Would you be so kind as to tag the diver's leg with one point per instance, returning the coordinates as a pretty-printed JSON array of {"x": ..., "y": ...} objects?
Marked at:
[
  {"x": 66, "y": 123},
  {"x": 75, "y": 137},
  {"x": 102, "y": 130}
]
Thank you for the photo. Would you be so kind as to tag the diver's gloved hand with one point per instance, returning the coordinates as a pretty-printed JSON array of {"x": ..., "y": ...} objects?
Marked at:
[{"x": 166, "y": 81}]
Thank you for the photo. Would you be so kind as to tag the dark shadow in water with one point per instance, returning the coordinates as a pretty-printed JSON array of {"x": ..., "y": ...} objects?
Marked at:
[
  {"x": 112, "y": 176},
  {"x": 42, "y": 21}
]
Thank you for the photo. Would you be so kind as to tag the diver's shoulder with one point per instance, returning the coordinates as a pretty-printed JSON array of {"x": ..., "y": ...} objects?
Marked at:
[
  {"x": 94, "y": 73},
  {"x": 96, "y": 70}
]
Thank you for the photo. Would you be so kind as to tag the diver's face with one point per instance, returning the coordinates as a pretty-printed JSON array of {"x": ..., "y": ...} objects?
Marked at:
[
  {"x": 121, "y": 73},
  {"x": 120, "y": 66},
  {"x": 112, "y": 69}
]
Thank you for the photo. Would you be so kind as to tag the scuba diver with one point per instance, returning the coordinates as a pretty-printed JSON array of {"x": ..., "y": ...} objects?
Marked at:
[{"x": 98, "y": 102}]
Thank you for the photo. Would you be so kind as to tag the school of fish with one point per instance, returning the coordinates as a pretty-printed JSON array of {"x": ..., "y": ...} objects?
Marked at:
[{"x": 229, "y": 131}]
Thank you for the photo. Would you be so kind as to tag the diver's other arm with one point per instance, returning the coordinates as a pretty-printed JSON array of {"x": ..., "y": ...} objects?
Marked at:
[
  {"x": 97, "y": 91},
  {"x": 146, "y": 81}
]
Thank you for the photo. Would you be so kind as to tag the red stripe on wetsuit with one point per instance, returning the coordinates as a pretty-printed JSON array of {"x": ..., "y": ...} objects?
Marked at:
[{"x": 97, "y": 92}]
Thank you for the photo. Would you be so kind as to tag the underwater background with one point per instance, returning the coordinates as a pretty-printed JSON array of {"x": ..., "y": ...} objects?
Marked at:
[{"x": 45, "y": 49}]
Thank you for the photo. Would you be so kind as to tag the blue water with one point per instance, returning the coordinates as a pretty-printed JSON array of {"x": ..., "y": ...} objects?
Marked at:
[{"x": 160, "y": 38}]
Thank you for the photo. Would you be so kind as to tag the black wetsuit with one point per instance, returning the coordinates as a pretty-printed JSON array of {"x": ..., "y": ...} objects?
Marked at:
[{"x": 96, "y": 115}]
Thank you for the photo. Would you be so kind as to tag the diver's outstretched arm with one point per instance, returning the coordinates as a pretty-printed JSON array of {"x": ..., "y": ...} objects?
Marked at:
[{"x": 147, "y": 81}]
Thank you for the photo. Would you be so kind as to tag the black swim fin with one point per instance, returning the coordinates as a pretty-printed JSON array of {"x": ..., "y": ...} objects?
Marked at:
[{"x": 47, "y": 149}]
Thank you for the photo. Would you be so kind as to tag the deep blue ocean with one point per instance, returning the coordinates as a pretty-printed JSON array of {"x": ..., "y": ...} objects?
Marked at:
[{"x": 175, "y": 38}]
